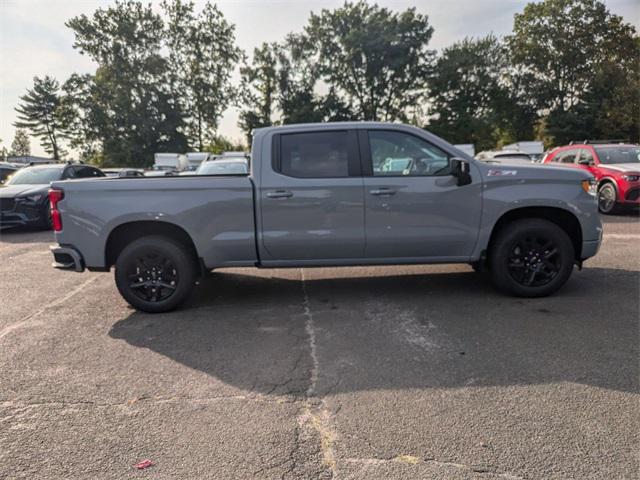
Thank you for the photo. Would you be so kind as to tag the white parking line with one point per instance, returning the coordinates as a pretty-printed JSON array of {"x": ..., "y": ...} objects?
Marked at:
[
  {"x": 29, "y": 318},
  {"x": 622, "y": 236}
]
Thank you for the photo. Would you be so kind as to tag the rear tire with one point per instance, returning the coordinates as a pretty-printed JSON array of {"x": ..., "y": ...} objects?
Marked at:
[
  {"x": 531, "y": 258},
  {"x": 155, "y": 274}
]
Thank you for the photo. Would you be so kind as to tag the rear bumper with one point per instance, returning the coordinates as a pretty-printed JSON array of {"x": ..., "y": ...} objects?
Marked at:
[{"x": 67, "y": 258}]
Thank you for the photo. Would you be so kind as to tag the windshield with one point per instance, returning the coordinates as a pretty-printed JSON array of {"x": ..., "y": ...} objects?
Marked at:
[
  {"x": 222, "y": 168},
  {"x": 35, "y": 176},
  {"x": 621, "y": 154}
]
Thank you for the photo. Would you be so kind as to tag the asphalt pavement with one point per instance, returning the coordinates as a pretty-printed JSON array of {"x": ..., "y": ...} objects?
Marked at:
[{"x": 346, "y": 373}]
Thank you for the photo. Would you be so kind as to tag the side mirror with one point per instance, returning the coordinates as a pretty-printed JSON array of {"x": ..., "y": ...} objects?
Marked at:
[{"x": 460, "y": 170}]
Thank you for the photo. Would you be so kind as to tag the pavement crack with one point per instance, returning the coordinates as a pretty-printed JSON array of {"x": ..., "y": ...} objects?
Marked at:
[
  {"x": 314, "y": 419},
  {"x": 412, "y": 460},
  {"x": 276, "y": 400}
]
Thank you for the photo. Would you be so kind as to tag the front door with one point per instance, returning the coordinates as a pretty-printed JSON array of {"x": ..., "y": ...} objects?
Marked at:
[
  {"x": 413, "y": 205},
  {"x": 312, "y": 200}
]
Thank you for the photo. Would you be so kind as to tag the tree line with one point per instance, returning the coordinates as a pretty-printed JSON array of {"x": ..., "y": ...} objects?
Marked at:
[{"x": 569, "y": 70}]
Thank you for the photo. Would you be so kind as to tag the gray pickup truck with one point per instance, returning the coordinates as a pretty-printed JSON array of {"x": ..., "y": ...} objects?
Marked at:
[{"x": 331, "y": 194}]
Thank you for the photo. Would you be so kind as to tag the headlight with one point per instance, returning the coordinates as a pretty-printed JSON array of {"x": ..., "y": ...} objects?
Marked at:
[
  {"x": 590, "y": 186},
  {"x": 631, "y": 178},
  {"x": 30, "y": 198}
]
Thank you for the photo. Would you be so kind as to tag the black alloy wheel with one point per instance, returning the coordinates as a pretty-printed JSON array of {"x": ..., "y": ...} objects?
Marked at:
[
  {"x": 156, "y": 273},
  {"x": 534, "y": 261},
  {"x": 531, "y": 257},
  {"x": 152, "y": 277}
]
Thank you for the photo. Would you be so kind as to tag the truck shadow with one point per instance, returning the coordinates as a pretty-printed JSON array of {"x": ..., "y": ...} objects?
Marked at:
[{"x": 442, "y": 330}]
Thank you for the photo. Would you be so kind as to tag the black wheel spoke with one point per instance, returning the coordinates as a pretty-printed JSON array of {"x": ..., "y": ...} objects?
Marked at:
[
  {"x": 166, "y": 285},
  {"x": 153, "y": 277},
  {"x": 142, "y": 284},
  {"x": 529, "y": 277},
  {"x": 533, "y": 261}
]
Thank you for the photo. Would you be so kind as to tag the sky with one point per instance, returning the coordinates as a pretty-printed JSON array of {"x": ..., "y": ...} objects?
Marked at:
[{"x": 35, "y": 42}]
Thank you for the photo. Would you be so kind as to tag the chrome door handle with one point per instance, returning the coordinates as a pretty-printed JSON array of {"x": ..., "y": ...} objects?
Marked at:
[
  {"x": 382, "y": 191},
  {"x": 280, "y": 194}
]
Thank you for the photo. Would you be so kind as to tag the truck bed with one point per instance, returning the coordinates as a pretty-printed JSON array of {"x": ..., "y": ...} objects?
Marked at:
[{"x": 189, "y": 202}]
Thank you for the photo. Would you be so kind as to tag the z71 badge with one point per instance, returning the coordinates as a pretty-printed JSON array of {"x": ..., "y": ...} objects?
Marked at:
[{"x": 502, "y": 173}]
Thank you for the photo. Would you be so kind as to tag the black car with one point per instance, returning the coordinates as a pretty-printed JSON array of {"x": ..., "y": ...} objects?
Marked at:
[
  {"x": 6, "y": 170},
  {"x": 123, "y": 172},
  {"x": 24, "y": 197}
]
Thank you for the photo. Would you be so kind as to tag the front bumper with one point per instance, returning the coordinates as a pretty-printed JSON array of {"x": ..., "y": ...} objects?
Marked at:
[
  {"x": 67, "y": 258},
  {"x": 632, "y": 196},
  {"x": 15, "y": 214},
  {"x": 590, "y": 248}
]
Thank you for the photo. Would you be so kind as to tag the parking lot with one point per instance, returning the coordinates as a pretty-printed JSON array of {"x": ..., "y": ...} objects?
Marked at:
[{"x": 394, "y": 372}]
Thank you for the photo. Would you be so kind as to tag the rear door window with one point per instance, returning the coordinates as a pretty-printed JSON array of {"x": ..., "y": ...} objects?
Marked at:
[{"x": 316, "y": 154}]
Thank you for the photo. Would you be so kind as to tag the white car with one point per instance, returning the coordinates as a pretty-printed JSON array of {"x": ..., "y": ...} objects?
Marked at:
[
  {"x": 235, "y": 166},
  {"x": 504, "y": 156}
]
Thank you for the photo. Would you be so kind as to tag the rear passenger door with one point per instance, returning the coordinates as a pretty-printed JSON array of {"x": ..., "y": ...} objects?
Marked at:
[{"x": 312, "y": 203}]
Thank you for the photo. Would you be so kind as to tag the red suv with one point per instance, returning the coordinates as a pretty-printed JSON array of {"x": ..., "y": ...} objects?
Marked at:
[{"x": 615, "y": 166}]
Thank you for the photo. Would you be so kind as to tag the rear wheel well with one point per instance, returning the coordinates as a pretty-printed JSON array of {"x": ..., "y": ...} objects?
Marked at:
[
  {"x": 124, "y": 234},
  {"x": 564, "y": 219}
]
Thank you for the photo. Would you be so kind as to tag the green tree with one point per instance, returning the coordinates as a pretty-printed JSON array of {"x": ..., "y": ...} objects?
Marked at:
[
  {"x": 84, "y": 116},
  {"x": 3, "y": 152},
  {"x": 39, "y": 112},
  {"x": 21, "y": 145},
  {"x": 566, "y": 52},
  {"x": 280, "y": 86},
  {"x": 131, "y": 108},
  {"x": 259, "y": 87},
  {"x": 465, "y": 91},
  {"x": 220, "y": 144},
  {"x": 375, "y": 58},
  {"x": 202, "y": 58}
]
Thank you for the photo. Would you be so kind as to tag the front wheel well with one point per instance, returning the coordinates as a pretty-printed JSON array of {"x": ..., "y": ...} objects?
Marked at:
[
  {"x": 124, "y": 234},
  {"x": 606, "y": 181},
  {"x": 564, "y": 219}
]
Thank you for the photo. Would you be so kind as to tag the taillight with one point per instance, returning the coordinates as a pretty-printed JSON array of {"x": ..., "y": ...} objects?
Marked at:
[{"x": 56, "y": 220}]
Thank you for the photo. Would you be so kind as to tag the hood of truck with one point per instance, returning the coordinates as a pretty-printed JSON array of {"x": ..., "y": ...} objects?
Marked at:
[{"x": 534, "y": 171}]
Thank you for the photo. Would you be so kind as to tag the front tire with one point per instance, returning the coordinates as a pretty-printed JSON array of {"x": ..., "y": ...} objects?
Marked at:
[
  {"x": 531, "y": 258},
  {"x": 155, "y": 274},
  {"x": 607, "y": 197}
]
